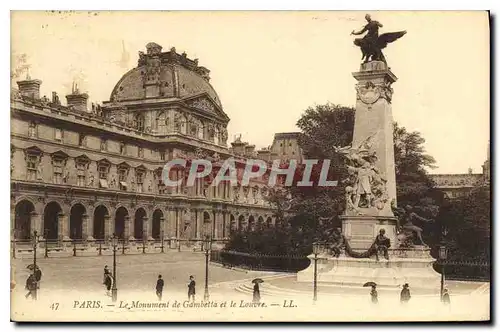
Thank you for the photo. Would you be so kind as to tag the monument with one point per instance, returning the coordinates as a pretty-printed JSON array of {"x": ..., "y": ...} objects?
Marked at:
[{"x": 369, "y": 247}]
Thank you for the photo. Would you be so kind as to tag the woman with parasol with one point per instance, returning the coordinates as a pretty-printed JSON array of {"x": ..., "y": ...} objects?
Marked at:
[
  {"x": 256, "y": 289},
  {"x": 373, "y": 292}
]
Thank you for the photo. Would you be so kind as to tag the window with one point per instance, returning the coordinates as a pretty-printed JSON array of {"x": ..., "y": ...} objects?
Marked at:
[
  {"x": 139, "y": 120},
  {"x": 31, "y": 165},
  {"x": 103, "y": 172},
  {"x": 80, "y": 174},
  {"x": 103, "y": 175},
  {"x": 122, "y": 178},
  {"x": 81, "y": 140},
  {"x": 104, "y": 145},
  {"x": 161, "y": 187},
  {"x": 32, "y": 129},
  {"x": 58, "y": 134},
  {"x": 140, "y": 152},
  {"x": 162, "y": 155},
  {"x": 123, "y": 148},
  {"x": 139, "y": 180},
  {"x": 58, "y": 170},
  {"x": 289, "y": 144}
]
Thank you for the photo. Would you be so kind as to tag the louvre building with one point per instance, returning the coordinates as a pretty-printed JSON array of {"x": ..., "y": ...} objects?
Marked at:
[{"x": 85, "y": 172}]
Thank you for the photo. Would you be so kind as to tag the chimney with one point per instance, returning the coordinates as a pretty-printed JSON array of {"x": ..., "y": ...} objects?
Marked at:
[
  {"x": 239, "y": 146},
  {"x": 29, "y": 88},
  {"x": 77, "y": 100},
  {"x": 249, "y": 149}
]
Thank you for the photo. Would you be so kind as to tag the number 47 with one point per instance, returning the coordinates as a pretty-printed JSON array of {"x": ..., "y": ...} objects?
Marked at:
[{"x": 54, "y": 306}]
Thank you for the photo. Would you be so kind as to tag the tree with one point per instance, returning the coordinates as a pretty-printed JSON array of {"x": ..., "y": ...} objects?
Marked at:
[{"x": 315, "y": 210}]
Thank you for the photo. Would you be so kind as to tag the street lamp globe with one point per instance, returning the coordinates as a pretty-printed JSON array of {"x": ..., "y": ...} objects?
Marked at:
[
  {"x": 443, "y": 252},
  {"x": 114, "y": 240},
  {"x": 316, "y": 248}
]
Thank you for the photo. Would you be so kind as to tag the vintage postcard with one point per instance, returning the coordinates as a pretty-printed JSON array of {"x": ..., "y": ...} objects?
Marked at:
[{"x": 250, "y": 166}]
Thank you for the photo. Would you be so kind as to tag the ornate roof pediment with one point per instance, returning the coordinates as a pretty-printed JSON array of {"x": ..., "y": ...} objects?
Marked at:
[
  {"x": 60, "y": 154},
  {"x": 33, "y": 150},
  {"x": 205, "y": 103},
  {"x": 104, "y": 161},
  {"x": 82, "y": 159},
  {"x": 123, "y": 165}
]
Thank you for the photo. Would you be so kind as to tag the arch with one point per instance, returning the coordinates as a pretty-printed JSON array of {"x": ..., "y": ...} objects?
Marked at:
[
  {"x": 156, "y": 227},
  {"x": 51, "y": 220},
  {"x": 241, "y": 222},
  {"x": 121, "y": 215},
  {"x": 139, "y": 218},
  {"x": 100, "y": 214},
  {"x": 22, "y": 221},
  {"x": 31, "y": 200},
  {"x": 251, "y": 222},
  {"x": 76, "y": 214},
  {"x": 233, "y": 226},
  {"x": 260, "y": 222},
  {"x": 269, "y": 221}
]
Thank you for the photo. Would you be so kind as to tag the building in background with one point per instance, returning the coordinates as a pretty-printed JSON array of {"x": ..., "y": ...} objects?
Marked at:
[
  {"x": 459, "y": 185},
  {"x": 80, "y": 172}
]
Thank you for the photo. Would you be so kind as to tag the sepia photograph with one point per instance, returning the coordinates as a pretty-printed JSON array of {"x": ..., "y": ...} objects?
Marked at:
[{"x": 250, "y": 166}]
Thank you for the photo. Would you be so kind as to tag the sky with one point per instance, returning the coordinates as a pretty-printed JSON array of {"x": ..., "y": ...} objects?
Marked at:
[{"x": 268, "y": 67}]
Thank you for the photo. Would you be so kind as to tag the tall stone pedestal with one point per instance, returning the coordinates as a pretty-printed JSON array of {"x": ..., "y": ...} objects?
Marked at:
[{"x": 412, "y": 266}]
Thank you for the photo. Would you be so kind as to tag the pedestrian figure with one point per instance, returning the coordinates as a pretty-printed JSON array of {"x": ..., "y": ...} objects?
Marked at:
[
  {"x": 106, "y": 272},
  {"x": 446, "y": 297},
  {"x": 31, "y": 286},
  {"x": 256, "y": 293},
  {"x": 374, "y": 294},
  {"x": 108, "y": 282},
  {"x": 38, "y": 276},
  {"x": 159, "y": 287},
  {"x": 405, "y": 294},
  {"x": 191, "y": 288}
]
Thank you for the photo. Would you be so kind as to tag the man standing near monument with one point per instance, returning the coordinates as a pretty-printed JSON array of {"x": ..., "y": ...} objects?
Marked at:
[{"x": 382, "y": 243}]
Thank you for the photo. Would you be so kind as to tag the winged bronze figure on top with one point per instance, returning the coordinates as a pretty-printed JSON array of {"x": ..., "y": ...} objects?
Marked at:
[{"x": 372, "y": 44}]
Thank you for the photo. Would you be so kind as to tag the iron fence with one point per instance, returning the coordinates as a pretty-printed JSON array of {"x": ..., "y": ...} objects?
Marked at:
[{"x": 260, "y": 262}]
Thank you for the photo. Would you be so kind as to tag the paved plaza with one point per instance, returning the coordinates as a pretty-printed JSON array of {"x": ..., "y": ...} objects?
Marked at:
[{"x": 70, "y": 281}]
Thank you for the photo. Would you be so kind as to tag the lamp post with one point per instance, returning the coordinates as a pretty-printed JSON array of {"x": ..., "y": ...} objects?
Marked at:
[
  {"x": 162, "y": 241},
  {"x": 35, "y": 244},
  {"x": 443, "y": 253},
  {"x": 207, "y": 245},
  {"x": 114, "y": 290},
  {"x": 46, "y": 235},
  {"x": 316, "y": 247},
  {"x": 74, "y": 242}
]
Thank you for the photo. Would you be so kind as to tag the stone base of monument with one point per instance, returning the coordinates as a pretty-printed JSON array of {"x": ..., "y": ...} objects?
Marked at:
[{"x": 412, "y": 266}]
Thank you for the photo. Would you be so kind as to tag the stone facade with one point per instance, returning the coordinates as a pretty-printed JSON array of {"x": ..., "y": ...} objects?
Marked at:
[
  {"x": 459, "y": 185},
  {"x": 79, "y": 173}
]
